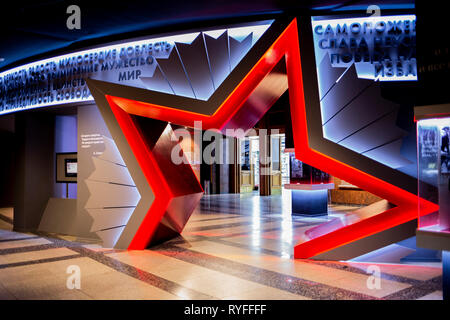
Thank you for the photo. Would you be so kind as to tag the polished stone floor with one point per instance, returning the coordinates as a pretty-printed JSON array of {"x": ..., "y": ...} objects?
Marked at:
[{"x": 234, "y": 247}]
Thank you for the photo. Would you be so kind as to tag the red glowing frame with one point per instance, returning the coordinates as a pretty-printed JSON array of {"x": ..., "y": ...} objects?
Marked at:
[{"x": 287, "y": 45}]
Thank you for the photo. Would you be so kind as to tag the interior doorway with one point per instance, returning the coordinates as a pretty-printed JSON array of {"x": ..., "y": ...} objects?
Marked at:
[{"x": 250, "y": 164}]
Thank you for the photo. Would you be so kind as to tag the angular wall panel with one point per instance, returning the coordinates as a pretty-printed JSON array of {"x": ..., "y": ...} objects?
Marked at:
[
  {"x": 238, "y": 49},
  {"x": 389, "y": 154},
  {"x": 174, "y": 72},
  {"x": 375, "y": 134},
  {"x": 108, "y": 218},
  {"x": 348, "y": 87},
  {"x": 219, "y": 58},
  {"x": 197, "y": 68},
  {"x": 157, "y": 82},
  {"x": 110, "y": 236},
  {"x": 358, "y": 114},
  {"x": 205, "y": 59},
  {"x": 109, "y": 195},
  {"x": 328, "y": 75},
  {"x": 107, "y": 172},
  {"x": 111, "y": 153}
]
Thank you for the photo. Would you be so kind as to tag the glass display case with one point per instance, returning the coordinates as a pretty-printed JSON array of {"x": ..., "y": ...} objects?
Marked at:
[
  {"x": 434, "y": 171},
  {"x": 433, "y": 164},
  {"x": 302, "y": 173},
  {"x": 433, "y": 161}
]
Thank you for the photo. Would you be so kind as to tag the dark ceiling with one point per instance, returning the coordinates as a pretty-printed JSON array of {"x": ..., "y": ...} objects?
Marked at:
[{"x": 30, "y": 29}]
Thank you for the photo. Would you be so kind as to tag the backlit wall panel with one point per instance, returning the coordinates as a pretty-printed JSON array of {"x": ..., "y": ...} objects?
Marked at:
[{"x": 356, "y": 58}]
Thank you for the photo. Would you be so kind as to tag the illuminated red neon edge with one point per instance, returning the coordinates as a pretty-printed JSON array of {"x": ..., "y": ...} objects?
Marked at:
[{"x": 287, "y": 45}]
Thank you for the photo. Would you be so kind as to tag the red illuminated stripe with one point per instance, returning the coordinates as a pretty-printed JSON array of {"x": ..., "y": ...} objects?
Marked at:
[{"x": 151, "y": 172}]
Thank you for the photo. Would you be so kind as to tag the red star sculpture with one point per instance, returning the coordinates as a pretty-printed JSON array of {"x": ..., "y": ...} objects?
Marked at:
[{"x": 121, "y": 112}]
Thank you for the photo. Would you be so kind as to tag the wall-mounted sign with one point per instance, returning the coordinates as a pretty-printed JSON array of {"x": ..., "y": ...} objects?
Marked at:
[
  {"x": 179, "y": 64},
  {"x": 62, "y": 79},
  {"x": 66, "y": 167},
  {"x": 382, "y": 48}
]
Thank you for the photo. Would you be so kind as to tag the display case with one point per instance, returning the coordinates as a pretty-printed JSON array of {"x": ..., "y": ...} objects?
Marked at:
[
  {"x": 305, "y": 174},
  {"x": 433, "y": 161},
  {"x": 309, "y": 188}
]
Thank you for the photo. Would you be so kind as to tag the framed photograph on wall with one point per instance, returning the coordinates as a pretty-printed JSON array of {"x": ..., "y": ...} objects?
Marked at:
[{"x": 66, "y": 167}]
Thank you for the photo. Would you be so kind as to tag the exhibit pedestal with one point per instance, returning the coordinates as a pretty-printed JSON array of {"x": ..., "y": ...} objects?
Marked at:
[
  {"x": 438, "y": 240},
  {"x": 446, "y": 274},
  {"x": 309, "y": 199}
]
